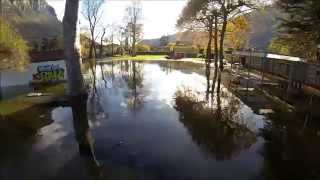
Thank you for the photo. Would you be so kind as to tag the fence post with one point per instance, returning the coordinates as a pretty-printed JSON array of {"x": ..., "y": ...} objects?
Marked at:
[
  {"x": 262, "y": 69},
  {"x": 290, "y": 78},
  {"x": 248, "y": 71}
]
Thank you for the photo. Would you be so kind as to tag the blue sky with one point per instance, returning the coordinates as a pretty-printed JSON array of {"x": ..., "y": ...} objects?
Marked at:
[{"x": 159, "y": 16}]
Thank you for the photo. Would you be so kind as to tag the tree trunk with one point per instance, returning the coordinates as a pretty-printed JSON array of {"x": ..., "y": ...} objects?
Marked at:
[
  {"x": 126, "y": 44},
  {"x": 219, "y": 109},
  {"x": 112, "y": 45},
  {"x": 101, "y": 43},
  {"x": 223, "y": 32},
  {"x": 209, "y": 53},
  {"x": 77, "y": 93},
  {"x": 209, "y": 41},
  {"x": 133, "y": 51},
  {"x": 93, "y": 52},
  {"x": 75, "y": 79},
  {"x": 81, "y": 125},
  {"x": 134, "y": 32},
  {"x": 90, "y": 51},
  {"x": 216, "y": 52},
  {"x": 92, "y": 57}
]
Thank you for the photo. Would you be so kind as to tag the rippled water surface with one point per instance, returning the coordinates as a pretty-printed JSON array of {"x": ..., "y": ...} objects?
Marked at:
[{"x": 158, "y": 121}]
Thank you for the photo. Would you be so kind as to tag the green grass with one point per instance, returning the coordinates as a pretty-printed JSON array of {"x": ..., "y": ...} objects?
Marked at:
[
  {"x": 140, "y": 57},
  {"x": 57, "y": 89},
  {"x": 22, "y": 102},
  {"x": 150, "y": 57}
]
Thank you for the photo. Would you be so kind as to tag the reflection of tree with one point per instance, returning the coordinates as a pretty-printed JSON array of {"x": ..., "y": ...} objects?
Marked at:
[
  {"x": 103, "y": 76},
  {"x": 134, "y": 80},
  {"x": 166, "y": 67},
  {"x": 83, "y": 134},
  {"x": 216, "y": 129},
  {"x": 107, "y": 73},
  {"x": 185, "y": 67},
  {"x": 95, "y": 109},
  {"x": 289, "y": 151}
]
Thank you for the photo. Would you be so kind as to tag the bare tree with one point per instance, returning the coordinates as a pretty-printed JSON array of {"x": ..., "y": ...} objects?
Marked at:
[
  {"x": 92, "y": 13},
  {"x": 134, "y": 13},
  {"x": 110, "y": 39},
  {"x": 127, "y": 39},
  {"x": 112, "y": 43},
  {"x": 121, "y": 37}
]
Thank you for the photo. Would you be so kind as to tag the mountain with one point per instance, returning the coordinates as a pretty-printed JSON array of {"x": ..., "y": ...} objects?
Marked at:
[
  {"x": 34, "y": 20},
  {"x": 156, "y": 42},
  {"x": 264, "y": 26}
]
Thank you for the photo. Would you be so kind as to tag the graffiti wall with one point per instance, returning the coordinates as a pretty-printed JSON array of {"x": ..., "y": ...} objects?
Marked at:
[
  {"x": 36, "y": 72},
  {"x": 49, "y": 72}
]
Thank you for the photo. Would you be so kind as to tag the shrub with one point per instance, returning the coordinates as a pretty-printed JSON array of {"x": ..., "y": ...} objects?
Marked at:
[{"x": 13, "y": 48}]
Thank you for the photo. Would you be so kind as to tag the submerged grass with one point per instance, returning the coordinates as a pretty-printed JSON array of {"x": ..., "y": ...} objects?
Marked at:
[
  {"x": 140, "y": 57},
  {"x": 153, "y": 58},
  {"x": 22, "y": 102}
]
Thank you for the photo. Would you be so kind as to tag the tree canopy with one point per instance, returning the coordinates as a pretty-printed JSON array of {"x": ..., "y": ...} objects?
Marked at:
[
  {"x": 298, "y": 29},
  {"x": 238, "y": 32},
  {"x": 92, "y": 12}
]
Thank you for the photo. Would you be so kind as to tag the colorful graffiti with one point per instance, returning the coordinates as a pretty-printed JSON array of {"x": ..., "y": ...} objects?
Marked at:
[{"x": 49, "y": 72}]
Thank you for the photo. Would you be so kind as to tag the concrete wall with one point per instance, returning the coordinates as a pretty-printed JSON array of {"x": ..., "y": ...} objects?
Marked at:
[{"x": 35, "y": 72}]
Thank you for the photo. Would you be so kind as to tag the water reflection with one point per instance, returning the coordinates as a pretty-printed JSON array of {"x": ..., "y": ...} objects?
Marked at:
[
  {"x": 83, "y": 134},
  {"x": 164, "y": 121},
  {"x": 218, "y": 129},
  {"x": 133, "y": 76},
  {"x": 18, "y": 130},
  {"x": 95, "y": 110},
  {"x": 291, "y": 151}
]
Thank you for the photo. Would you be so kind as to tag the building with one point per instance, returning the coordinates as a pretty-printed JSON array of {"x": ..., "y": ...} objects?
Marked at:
[{"x": 179, "y": 52}]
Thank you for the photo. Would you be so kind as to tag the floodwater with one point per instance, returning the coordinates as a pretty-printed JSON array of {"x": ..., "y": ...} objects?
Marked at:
[{"x": 158, "y": 121}]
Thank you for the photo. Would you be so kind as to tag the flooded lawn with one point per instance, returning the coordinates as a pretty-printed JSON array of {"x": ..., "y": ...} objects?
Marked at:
[{"x": 158, "y": 121}]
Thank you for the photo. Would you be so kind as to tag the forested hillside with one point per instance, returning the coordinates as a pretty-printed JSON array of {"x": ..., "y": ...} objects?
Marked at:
[
  {"x": 262, "y": 25},
  {"x": 35, "y": 21}
]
